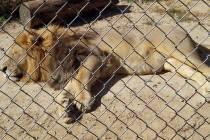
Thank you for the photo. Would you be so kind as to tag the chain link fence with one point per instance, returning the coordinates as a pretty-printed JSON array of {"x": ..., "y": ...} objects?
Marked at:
[{"x": 150, "y": 105}]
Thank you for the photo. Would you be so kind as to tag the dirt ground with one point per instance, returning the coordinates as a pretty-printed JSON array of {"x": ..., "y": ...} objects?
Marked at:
[{"x": 147, "y": 107}]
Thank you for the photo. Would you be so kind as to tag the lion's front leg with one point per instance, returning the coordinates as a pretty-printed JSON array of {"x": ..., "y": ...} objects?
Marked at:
[
  {"x": 64, "y": 100},
  {"x": 87, "y": 74},
  {"x": 83, "y": 98}
]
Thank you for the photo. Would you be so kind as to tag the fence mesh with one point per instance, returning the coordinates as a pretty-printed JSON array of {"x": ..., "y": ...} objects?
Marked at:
[{"x": 166, "y": 105}]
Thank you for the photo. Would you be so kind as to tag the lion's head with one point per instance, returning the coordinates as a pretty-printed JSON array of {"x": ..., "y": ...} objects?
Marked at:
[
  {"x": 44, "y": 55},
  {"x": 23, "y": 57}
]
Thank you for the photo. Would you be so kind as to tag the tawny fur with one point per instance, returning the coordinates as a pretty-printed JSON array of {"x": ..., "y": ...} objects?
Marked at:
[{"x": 57, "y": 54}]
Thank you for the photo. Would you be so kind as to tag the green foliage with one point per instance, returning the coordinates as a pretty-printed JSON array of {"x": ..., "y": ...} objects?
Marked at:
[{"x": 3, "y": 18}]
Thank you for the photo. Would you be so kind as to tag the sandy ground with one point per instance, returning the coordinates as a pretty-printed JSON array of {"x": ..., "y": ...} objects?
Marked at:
[{"x": 148, "y": 107}]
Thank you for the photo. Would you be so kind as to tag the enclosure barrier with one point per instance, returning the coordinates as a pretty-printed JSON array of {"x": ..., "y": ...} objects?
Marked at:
[{"x": 158, "y": 106}]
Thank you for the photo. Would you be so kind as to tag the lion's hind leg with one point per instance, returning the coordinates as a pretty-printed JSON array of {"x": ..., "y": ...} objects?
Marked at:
[{"x": 186, "y": 71}]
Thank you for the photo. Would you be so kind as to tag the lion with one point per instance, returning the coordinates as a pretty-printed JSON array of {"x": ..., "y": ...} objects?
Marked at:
[{"x": 74, "y": 60}]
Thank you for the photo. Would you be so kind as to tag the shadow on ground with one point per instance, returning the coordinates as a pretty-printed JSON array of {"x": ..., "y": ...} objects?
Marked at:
[
  {"x": 102, "y": 87},
  {"x": 85, "y": 18}
]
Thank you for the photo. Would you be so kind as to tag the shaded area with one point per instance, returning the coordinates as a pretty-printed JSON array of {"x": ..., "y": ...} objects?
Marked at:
[
  {"x": 97, "y": 14},
  {"x": 102, "y": 87},
  {"x": 87, "y": 17}
]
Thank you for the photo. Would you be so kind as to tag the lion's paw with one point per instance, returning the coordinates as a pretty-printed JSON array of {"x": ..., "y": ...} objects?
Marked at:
[
  {"x": 84, "y": 102},
  {"x": 69, "y": 114},
  {"x": 66, "y": 119}
]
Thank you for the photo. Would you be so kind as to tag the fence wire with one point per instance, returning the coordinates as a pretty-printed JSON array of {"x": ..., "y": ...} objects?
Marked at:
[{"x": 154, "y": 105}]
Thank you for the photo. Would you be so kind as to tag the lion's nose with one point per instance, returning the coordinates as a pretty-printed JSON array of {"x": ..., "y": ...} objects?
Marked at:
[{"x": 4, "y": 69}]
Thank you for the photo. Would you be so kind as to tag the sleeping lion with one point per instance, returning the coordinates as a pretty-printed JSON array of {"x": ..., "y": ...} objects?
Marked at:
[{"x": 75, "y": 60}]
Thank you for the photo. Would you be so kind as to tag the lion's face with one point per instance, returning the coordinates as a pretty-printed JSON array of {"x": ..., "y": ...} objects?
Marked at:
[
  {"x": 22, "y": 57},
  {"x": 15, "y": 65}
]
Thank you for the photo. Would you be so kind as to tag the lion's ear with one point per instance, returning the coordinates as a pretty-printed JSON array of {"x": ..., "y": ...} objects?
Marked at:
[
  {"x": 23, "y": 39},
  {"x": 36, "y": 39},
  {"x": 29, "y": 38}
]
